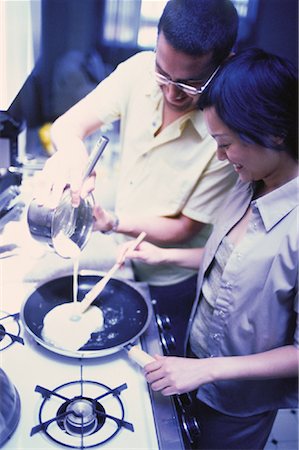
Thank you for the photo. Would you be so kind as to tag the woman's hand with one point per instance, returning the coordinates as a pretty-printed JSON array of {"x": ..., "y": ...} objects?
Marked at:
[
  {"x": 145, "y": 252},
  {"x": 152, "y": 254},
  {"x": 173, "y": 375}
]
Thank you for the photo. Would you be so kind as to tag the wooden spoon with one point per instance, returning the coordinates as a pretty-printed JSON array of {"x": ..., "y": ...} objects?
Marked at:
[{"x": 98, "y": 287}]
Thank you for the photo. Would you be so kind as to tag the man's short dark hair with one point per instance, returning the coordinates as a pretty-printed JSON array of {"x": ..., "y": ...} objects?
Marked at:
[{"x": 198, "y": 27}]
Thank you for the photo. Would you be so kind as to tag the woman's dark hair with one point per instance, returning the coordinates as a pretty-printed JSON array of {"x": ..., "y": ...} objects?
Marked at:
[
  {"x": 197, "y": 27},
  {"x": 256, "y": 95}
]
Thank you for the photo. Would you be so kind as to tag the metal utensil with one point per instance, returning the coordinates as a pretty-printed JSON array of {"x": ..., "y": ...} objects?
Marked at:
[
  {"x": 68, "y": 213},
  {"x": 45, "y": 223}
]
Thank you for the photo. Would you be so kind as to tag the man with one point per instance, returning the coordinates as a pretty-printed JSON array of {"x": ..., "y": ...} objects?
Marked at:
[{"x": 171, "y": 182}]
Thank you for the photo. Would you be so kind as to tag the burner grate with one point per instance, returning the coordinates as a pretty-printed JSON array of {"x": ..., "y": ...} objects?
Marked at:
[
  {"x": 81, "y": 413},
  {"x": 10, "y": 330}
]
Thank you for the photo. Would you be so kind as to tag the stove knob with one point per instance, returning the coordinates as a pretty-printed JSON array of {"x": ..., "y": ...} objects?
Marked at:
[
  {"x": 184, "y": 401},
  {"x": 168, "y": 342},
  {"x": 191, "y": 427},
  {"x": 163, "y": 322}
]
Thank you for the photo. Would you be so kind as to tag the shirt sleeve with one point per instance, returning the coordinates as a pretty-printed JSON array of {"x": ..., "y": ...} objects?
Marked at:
[
  {"x": 211, "y": 191},
  {"x": 110, "y": 98}
]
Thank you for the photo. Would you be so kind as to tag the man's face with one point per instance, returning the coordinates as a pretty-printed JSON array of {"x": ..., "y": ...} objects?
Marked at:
[{"x": 180, "y": 67}]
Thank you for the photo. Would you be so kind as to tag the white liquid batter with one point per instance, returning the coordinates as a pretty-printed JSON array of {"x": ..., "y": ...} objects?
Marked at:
[
  {"x": 59, "y": 327},
  {"x": 69, "y": 249},
  {"x": 63, "y": 332}
]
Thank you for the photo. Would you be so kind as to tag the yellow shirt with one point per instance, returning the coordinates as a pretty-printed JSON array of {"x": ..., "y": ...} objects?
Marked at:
[{"x": 175, "y": 172}]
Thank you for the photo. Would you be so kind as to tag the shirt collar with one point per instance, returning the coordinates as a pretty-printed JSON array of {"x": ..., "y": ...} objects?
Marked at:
[
  {"x": 278, "y": 203},
  {"x": 153, "y": 91},
  {"x": 198, "y": 122},
  {"x": 195, "y": 116}
]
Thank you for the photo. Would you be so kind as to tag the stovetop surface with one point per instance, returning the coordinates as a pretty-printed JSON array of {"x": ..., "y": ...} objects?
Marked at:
[{"x": 31, "y": 365}]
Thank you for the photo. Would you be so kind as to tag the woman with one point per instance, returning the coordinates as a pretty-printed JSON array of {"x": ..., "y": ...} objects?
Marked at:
[{"x": 242, "y": 348}]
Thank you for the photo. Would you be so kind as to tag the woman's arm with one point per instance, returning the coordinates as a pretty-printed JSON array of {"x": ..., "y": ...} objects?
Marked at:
[
  {"x": 151, "y": 254},
  {"x": 172, "y": 375}
]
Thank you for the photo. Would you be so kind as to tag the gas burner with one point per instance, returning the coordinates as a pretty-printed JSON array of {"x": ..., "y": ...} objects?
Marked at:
[
  {"x": 81, "y": 414},
  {"x": 10, "y": 330}
]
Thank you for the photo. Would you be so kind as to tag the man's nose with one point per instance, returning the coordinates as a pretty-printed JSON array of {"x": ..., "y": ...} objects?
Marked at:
[{"x": 173, "y": 91}]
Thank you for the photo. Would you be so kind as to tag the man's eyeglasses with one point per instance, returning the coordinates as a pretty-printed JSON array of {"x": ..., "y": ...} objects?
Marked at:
[{"x": 187, "y": 88}]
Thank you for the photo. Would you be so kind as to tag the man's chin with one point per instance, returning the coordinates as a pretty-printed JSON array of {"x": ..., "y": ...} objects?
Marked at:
[{"x": 181, "y": 107}]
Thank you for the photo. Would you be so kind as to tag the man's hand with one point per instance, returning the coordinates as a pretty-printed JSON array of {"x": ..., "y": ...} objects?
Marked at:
[
  {"x": 62, "y": 170},
  {"x": 103, "y": 220}
]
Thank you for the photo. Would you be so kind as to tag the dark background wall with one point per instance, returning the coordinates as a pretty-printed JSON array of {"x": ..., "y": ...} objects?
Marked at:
[{"x": 276, "y": 28}]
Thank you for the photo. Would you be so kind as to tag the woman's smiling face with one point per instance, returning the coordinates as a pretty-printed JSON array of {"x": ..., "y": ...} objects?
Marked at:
[{"x": 252, "y": 162}]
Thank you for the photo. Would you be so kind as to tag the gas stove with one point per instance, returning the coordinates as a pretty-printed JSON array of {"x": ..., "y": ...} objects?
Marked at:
[
  {"x": 69, "y": 402},
  {"x": 81, "y": 413},
  {"x": 81, "y": 403}
]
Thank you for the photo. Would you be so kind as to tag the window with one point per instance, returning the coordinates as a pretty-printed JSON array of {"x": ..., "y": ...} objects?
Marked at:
[
  {"x": 119, "y": 19},
  {"x": 241, "y": 7},
  {"x": 150, "y": 13},
  {"x": 134, "y": 22},
  {"x": 19, "y": 39}
]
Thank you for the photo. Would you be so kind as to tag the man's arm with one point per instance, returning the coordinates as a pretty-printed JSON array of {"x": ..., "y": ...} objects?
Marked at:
[
  {"x": 67, "y": 164},
  {"x": 159, "y": 230}
]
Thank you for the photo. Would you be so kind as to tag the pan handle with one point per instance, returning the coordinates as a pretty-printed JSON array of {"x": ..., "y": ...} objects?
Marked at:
[{"x": 139, "y": 356}]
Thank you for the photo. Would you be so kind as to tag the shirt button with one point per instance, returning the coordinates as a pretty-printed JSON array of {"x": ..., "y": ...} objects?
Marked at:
[
  {"x": 216, "y": 336},
  {"x": 227, "y": 285}
]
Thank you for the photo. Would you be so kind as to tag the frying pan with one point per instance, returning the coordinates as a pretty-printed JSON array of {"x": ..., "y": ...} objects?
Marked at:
[{"x": 127, "y": 313}]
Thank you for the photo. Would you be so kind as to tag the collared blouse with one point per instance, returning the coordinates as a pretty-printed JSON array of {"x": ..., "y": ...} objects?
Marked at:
[{"x": 256, "y": 308}]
